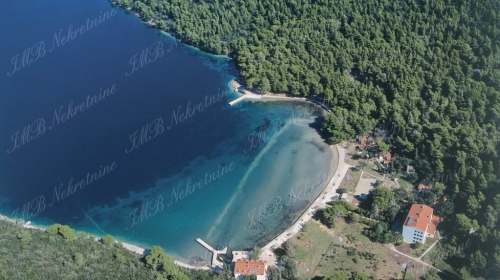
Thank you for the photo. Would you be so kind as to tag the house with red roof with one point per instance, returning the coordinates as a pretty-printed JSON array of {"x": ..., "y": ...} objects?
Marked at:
[
  {"x": 385, "y": 159},
  {"x": 419, "y": 224},
  {"x": 365, "y": 142},
  {"x": 243, "y": 267},
  {"x": 362, "y": 142},
  {"x": 423, "y": 188}
]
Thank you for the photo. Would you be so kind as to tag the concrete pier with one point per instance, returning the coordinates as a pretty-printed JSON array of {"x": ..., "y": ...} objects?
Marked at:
[
  {"x": 250, "y": 95},
  {"x": 215, "y": 261},
  {"x": 237, "y": 100},
  {"x": 247, "y": 95}
]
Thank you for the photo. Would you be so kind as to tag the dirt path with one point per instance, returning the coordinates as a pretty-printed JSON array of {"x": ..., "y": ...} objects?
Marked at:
[{"x": 412, "y": 258}]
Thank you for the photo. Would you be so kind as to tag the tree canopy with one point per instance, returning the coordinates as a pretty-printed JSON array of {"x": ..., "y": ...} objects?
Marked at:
[
  {"x": 65, "y": 231},
  {"x": 426, "y": 71}
]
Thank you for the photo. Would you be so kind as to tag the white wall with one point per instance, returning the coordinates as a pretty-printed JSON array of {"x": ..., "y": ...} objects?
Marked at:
[
  {"x": 409, "y": 235},
  {"x": 242, "y": 277}
]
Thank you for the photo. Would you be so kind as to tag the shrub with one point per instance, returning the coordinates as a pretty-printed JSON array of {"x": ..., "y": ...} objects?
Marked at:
[
  {"x": 108, "y": 240},
  {"x": 78, "y": 257},
  {"x": 59, "y": 230},
  {"x": 24, "y": 236},
  {"x": 255, "y": 253},
  {"x": 341, "y": 190}
]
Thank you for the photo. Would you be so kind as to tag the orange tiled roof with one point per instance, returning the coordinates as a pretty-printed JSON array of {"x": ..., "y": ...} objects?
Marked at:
[
  {"x": 247, "y": 267},
  {"x": 363, "y": 142},
  {"x": 433, "y": 225},
  {"x": 387, "y": 158},
  {"x": 422, "y": 187},
  {"x": 419, "y": 217}
]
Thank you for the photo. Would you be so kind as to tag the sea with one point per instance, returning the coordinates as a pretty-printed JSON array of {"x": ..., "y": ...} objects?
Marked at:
[{"x": 113, "y": 127}]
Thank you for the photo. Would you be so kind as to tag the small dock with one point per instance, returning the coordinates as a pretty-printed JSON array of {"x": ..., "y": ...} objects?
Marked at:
[
  {"x": 215, "y": 261},
  {"x": 237, "y": 100},
  {"x": 250, "y": 95},
  {"x": 247, "y": 95}
]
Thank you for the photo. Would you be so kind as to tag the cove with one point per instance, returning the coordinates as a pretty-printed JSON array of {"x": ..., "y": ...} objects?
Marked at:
[{"x": 255, "y": 153}]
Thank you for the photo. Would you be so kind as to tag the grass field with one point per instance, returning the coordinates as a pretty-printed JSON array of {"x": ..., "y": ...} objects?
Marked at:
[
  {"x": 404, "y": 184},
  {"x": 353, "y": 175},
  {"x": 372, "y": 169},
  {"x": 428, "y": 242},
  {"x": 319, "y": 252},
  {"x": 441, "y": 254}
]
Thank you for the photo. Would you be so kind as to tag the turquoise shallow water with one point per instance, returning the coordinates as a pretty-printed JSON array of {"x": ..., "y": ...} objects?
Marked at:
[
  {"x": 244, "y": 202},
  {"x": 233, "y": 176}
]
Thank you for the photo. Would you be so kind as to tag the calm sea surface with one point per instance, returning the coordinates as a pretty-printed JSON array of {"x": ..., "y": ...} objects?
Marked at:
[{"x": 112, "y": 127}]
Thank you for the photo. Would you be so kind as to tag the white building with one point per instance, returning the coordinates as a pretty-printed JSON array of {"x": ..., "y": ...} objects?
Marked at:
[
  {"x": 243, "y": 267},
  {"x": 419, "y": 224}
]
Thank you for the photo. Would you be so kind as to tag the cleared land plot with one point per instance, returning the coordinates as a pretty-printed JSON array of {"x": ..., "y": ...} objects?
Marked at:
[
  {"x": 405, "y": 185},
  {"x": 428, "y": 243},
  {"x": 441, "y": 255},
  {"x": 390, "y": 183},
  {"x": 351, "y": 179},
  {"x": 319, "y": 252},
  {"x": 372, "y": 169},
  {"x": 365, "y": 184}
]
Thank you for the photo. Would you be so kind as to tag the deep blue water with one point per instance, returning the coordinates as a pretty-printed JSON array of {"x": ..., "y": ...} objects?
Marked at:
[{"x": 221, "y": 173}]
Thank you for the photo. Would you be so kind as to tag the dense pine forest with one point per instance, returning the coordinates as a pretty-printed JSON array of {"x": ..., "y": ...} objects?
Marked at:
[
  {"x": 429, "y": 69},
  {"x": 61, "y": 253}
]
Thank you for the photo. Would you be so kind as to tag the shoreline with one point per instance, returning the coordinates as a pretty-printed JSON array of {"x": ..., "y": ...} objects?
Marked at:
[
  {"x": 267, "y": 253},
  {"x": 133, "y": 248},
  {"x": 300, "y": 219},
  {"x": 151, "y": 24},
  {"x": 247, "y": 94}
]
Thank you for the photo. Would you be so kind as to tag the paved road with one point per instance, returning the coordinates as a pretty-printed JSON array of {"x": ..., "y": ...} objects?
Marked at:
[{"x": 267, "y": 253}]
